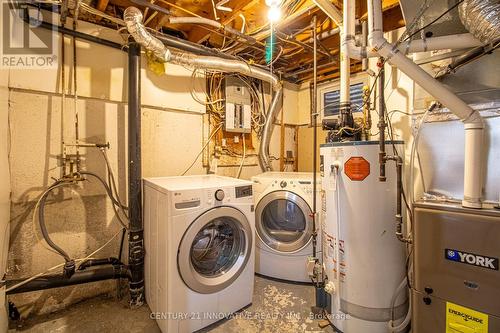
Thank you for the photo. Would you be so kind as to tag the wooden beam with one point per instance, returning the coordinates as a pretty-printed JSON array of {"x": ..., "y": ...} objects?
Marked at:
[
  {"x": 355, "y": 67},
  {"x": 101, "y": 6},
  {"x": 198, "y": 34}
]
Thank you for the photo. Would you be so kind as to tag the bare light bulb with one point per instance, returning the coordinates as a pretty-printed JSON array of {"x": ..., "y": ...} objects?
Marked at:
[{"x": 274, "y": 14}]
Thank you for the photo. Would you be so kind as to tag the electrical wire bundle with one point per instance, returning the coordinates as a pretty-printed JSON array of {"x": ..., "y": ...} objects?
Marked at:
[{"x": 215, "y": 102}]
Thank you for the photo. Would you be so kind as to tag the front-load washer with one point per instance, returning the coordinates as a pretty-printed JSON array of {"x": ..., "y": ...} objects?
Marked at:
[
  {"x": 284, "y": 224},
  {"x": 199, "y": 242}
]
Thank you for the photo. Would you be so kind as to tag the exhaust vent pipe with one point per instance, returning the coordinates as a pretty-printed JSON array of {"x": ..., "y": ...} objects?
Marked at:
[
  {"x": 473, "y": 122},
  {"x": 133, "y": 20}
]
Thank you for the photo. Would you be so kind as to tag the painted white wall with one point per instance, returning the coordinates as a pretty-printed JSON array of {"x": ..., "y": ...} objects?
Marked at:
[{"x": 291, "y": 104}]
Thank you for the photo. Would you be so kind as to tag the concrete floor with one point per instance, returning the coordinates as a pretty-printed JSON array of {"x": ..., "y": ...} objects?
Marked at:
[{"x": 290, "y": 304}]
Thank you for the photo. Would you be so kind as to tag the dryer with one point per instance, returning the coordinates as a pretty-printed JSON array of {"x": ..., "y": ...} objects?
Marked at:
[
  {"x": 199, "y": 241},
  {"x": 284, "y": 224}
]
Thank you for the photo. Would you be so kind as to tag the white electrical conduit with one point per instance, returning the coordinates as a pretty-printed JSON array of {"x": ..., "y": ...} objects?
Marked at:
[
  {"x": 133, "y": 20},
  {"x": 400, "y": 327},
  {"x": 243, "y": 156},
  {"x": 474, "y": 125}
]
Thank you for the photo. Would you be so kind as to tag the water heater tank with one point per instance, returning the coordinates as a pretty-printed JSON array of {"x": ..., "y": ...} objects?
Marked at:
[{"x": 362, "y": 255}]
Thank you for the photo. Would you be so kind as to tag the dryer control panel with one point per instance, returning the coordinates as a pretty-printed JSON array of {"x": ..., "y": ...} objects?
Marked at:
[{"x": 243, "y": 191}]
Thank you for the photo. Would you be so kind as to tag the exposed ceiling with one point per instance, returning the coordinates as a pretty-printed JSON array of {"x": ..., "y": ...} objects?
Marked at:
[{"x": 292, "y": 35}]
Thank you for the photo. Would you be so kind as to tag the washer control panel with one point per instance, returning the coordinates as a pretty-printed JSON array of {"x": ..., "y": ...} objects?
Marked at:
[
  {"x": 243, "y": 191},
  {"x": 219, "y": 195}
]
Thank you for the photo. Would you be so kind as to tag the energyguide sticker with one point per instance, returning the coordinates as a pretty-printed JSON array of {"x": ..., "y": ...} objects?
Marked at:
[{"x": 460, "y": 319}]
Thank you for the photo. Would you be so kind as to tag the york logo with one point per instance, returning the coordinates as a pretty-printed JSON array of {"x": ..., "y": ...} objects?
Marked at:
[{"x": 471, "y": 259}]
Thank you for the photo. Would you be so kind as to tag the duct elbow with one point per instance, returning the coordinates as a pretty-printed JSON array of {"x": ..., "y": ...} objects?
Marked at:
[
  {"x": 132, "y": 15},
  {"x": 133, "y": 21}
]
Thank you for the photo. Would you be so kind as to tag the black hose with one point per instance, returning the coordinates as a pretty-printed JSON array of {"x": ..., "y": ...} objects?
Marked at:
[
  {"x": 98, "y": 262},
  {"x": 41, "y": 221},
  {"x": 106, "y": 187},
  {"x": 56, "y": 281},
  {"x": 41, "y": 214},
  {"x": 115, "y": 201},
  {"x": 335, "y": 328}
]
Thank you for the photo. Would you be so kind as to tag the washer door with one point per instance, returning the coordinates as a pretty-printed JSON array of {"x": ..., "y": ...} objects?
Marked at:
[
  {"x": 214, "y": 250},
  {"x": 283, "y": 221}
]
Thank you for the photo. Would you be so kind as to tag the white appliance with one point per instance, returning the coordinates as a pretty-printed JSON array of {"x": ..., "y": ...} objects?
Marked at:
[
  {"x": 199, "y": 240},
  {"x": 283, "y": 220},
  {"x": 367, "y": 264}
]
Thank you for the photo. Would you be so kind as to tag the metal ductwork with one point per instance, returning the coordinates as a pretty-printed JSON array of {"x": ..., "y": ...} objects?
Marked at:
[
  {"x": 481, "y": 18},
  {"x": 133, "y": 20}
]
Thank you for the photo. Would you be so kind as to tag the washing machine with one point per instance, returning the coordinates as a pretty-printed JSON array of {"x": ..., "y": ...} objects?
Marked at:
[
  {"x": 284, "y": 224},
  {"x": 199, "y": 242}
]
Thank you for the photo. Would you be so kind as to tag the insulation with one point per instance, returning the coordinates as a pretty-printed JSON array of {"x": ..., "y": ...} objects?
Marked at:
[{"x": 482, "y": 19}]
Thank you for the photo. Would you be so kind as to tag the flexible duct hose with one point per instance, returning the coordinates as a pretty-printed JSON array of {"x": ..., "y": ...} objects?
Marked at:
[
  {"x": 133, "y": 19},
  {"x": 481, "y": 18}
]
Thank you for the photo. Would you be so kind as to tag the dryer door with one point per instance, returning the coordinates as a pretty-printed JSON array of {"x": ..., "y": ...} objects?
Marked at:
[
  {"x": 283, "y": 221},
  {"x": 215, "y": 249}
]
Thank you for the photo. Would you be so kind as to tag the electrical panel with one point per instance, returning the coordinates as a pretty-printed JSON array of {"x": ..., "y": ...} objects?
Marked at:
[{"x": 238, "y": 106}]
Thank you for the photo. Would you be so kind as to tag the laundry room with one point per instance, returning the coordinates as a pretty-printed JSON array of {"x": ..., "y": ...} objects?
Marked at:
[{"x": 179, "y": 166}]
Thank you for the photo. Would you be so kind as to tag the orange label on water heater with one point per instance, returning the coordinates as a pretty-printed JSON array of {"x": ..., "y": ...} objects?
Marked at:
[{"x": 357, "y": 168}]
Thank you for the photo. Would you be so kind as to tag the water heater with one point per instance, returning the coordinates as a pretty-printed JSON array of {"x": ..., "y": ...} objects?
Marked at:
[{"x": 364, "y": 261}]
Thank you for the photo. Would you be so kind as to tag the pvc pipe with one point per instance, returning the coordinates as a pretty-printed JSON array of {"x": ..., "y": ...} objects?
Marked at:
[
  {"x": 474, "y": 125},
  {"x": 345, "y": 76},
  {"x": 457, "y": 41},
  {"x": 364, "y": 44},
  {"x": 473, "y": 179},
  {"x": 345, "y": 68}
]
